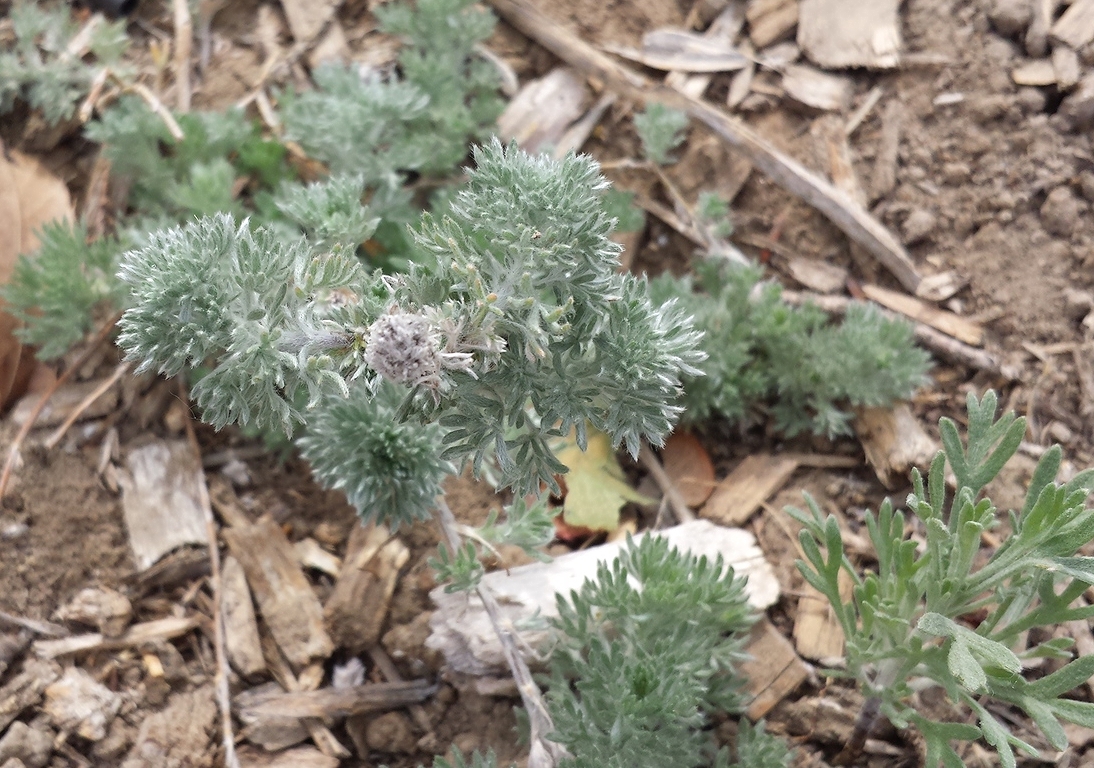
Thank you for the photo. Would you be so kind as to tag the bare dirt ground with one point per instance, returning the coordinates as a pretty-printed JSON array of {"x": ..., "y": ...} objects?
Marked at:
[{"x": 992, "y": 180}]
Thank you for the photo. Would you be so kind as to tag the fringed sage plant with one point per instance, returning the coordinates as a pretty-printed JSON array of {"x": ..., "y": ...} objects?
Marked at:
[{"x": 934, "y": 613}]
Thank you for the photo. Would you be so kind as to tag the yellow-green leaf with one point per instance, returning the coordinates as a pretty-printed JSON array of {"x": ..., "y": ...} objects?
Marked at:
[{"x": 595, "y": 486}]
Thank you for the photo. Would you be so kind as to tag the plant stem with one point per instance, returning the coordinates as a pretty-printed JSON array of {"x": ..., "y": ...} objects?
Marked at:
[{"x": 544, "y": 753}]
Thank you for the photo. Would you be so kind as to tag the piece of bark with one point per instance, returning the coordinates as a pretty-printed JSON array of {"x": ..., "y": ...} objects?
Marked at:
[
  {"x": 282, "y": 593},
  {"x": 817, "y": 275},
  {"x": 538, "y": 116},
  {"x": 773, "y": 670},
  {"x": 138, "y": 634},
  {"x": 241, "y": 636},
  {"x": 301, "y": 757},
  {"x": 77, "y": 703},
  {"x": 684, "y": 51},
  {"x": 24, "y": 690},
  {"x": 358, "y": 604},
  {"x": 849, "y": 216},
  {"x": 178, "y": 734},
  {"x": 838, "y": 34},
  {"x": 818, "y": 90},
  {"x": 161, "y": 492},
  {"x": 960, "y": 328},
  {"x": 894, "y": 442},
  {"x": 741, "y": 83},
  {"x": 1076, "y": 26},
  {"x": 342, "y": 702},
  {"x": 770, "y": 21},
  {"x": 747, "y": 487},
  {"x": 462, "y": 631},
  {"x": 62, "y": 403},
  {"x": 270, "y": 733},
  {"x": 107, "y": 610},
  {"x": 940, "y": 286},
  {"x": 885, "y": 164},
  {"x": 1038, "y": 72}
]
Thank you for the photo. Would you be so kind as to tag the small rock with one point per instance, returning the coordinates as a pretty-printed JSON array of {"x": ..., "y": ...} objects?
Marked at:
[
  {"x": 78, "y": 703},
  {"x": 1010, "y": 17},
  {"x": 955, "y": 174},
  {"x": 105, "y": 609},
  {"x": 391, "y": 733},
  {"x": 1086, "y": 185},
  {"x": 1061, "y": 212},
  {"x": 467, "y": 742},
  {"x": 31, "y": 747},
  {"x": 1077, "y": 109},
  {"x": 15, "y": 762},
  {"x": 1031, "y": 100},
  {"x": 918, "y": 226}
]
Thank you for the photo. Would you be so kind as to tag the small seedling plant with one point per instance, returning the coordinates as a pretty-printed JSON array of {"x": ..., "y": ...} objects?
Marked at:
[{"x": 935, "y": 612}]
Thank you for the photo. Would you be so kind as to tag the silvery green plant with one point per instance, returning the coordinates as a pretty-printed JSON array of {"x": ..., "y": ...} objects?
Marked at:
[
  {"x": 935, "y": 612},
  {"x": 522, "y": 331}
]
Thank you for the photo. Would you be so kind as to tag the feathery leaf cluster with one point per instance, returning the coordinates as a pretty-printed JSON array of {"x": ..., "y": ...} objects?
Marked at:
[
  {"x": 56, "y": 294},
  {"x": 936, "y": 612},
  {"x": 38, "y": 67},
  {"x": 805, "y": 369},
  {"x": 661, "y": 130},
  {"x": 390, "y": 470},
  {"x": 364, "y": 123},
  {"x": 645, "y": 653},
  {"x": 526, "y": 280}
]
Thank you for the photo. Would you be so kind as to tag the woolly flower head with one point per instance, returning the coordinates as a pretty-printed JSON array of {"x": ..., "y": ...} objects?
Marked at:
[{"x": 406, "y": 348}]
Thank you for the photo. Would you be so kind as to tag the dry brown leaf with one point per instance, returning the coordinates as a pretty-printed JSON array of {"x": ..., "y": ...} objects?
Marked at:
[
  {"x": 688, "y": 464},
  {"x": 30, "y": 196}
]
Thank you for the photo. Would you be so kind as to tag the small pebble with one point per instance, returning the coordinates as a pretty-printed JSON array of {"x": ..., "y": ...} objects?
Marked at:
[
  {"x": 1086, "y": 185},
  {"x": 919, "y": 225},
  {"x": 391, "y": 733},
  {"x": 30, "y": 746},
  {"x": 1010, "y": 17},
  {"x": 1061, "y": 212},
  {"x": 956, "y": 174}
]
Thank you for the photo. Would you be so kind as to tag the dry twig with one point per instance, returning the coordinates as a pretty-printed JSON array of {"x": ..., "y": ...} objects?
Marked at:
[
  {"x": 653, "y": 465},
  {"x": 184, "y": 44},
  {"x": 854, "y": 220},
  {"x": 224, "y": 700},
  {"x": 13, "y": 453},
  {"x": 544, "y": 753},
  {"x": 59, "y": 433}
]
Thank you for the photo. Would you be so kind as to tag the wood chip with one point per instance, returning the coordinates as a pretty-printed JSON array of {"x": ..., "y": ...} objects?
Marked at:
[
  {"x": 1076, "y": 26},
  {"x": 177, "y": 734},
  {"x": 62, "y": 403},
  {"x": 24, "y": 690},
  {"x": 358, "y": 605},
  {"x": 817, "y": 633},
  {"x": 770, "y": 21},
  {"x": 773, "y": 669},
  {"x": 684, "y": 51},
  {"x": 960, "y": 328},
  {"x": 284, "y": 597},
  {"x": 138, "y": 634},
  {"x": 311, "y": 18},
  {"x": 894, "y": 442},
  {"x": 301, "y": 757},
  {"x": 941, "y": 286},
  {"x": 1039, "y": 72},
  {"x": 724, "y": 30},
  {"x": 747, "y": 487},
  {"x": 107, "y": 610},
  {"x": 341, "y": 702},
  {"x": 78, "y": 703},
  {"x": 241, "y": 638},
  {"x": 271, "y": 733},
  {"x": 540, "y": 113},
  {"x": 161, "y": 493},
  {"x": 313, "y": 556},
  {"x": 818, "y": 276},
  {"x": 838, "y": 34},
  {"x": 818, "y": 90},
  {"x": 462, "y": 631}
]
